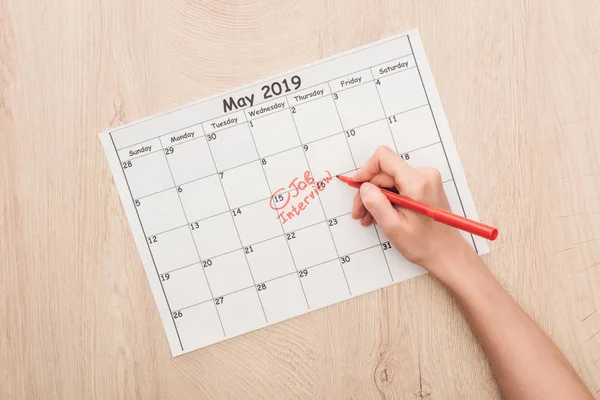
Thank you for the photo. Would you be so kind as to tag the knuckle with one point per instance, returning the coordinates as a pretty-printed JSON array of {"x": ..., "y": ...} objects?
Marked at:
[{"x": 433, "y": 175}]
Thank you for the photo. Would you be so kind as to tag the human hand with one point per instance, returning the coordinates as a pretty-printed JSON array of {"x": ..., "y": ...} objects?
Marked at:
[{"x": 420, "y": 239}]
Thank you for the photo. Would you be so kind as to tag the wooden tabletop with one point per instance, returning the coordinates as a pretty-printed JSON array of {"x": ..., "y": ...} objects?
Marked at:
[{"x": 520, "y": 84}]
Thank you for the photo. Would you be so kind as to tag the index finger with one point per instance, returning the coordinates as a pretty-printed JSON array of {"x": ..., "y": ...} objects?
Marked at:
[{"x": 386, "y": 160}]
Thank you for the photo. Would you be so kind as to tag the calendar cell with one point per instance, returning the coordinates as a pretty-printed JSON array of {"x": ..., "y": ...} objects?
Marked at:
[
  {"x": 359, "y": 105},
  {"x": 414, "y": 129},
  {"x": 215, "y": 235},
  {"x": 148, "y": 174},
  {"x": 227, "y": 273},
  {"x": 316, "y": 119},
  {"x": 274, "y": 133},
  {"x": 270, "y": 259},
  {"x": 337, "y": 197},
  {"x": 199, "y": 326},
  {"x": 186, "y": 287},
  {"x": 190, "y": 160},
  {"x": 324, "y": 284},
  {"x": 161, "y": 212},
  {"x": 401, "y": 91},
  {"x": 232, "y": 147},
  {"x": 329, "y": 156},
  {"x": 365, "y": 140},
  {"x": 433, "y": 157},
  {"x": 286, "y": 170},
  {"x": 245, "y": 184},
  {"x": 312, "y": 245},
  {"x": 350, "y": 236},
  {"x": 292, "y": 218},
  {"x": 400, "y": 268},
  {"x": 282, "y": 298},
  {"x": 173, "y": 249},
  {"x": 366, "y": 270},
  {"x": 203, "y": 198},
  {"x": 241, "y": 312},
  {"x": 257, "y": 222}
]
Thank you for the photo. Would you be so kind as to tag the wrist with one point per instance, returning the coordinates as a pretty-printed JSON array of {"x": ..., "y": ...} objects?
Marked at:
[{"x": 451, "y": 266}]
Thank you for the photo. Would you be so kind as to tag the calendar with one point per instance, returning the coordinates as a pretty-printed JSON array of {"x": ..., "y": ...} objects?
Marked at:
[{"x": 233, "y": 202}]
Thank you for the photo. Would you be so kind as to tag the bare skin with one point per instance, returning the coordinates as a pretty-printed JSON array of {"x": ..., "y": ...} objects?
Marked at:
[{"x": 525, "y": 361}]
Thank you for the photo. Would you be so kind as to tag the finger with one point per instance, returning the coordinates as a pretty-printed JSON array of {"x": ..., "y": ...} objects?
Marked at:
[
  {"x": 367, "y": 220},
  {"x": 358, "y": 208},
  {"x": 434, "y": 177},
  {"x": 387, "y": 161},
  {"x": 381, "y": 180},
  {"x": 381, "y": 209}
]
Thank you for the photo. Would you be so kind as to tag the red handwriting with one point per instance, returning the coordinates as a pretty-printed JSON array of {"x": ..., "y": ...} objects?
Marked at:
[{"x": 281, "y": 198}]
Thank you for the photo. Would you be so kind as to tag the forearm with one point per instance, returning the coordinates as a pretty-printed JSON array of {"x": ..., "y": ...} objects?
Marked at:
[{"x": 526, "y": 363}]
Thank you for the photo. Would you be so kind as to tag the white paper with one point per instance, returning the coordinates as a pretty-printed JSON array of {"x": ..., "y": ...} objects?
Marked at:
[{"x": 231, "y": 200}]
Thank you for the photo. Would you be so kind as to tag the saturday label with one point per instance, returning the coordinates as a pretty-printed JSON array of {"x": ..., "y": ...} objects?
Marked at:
[{"x": 393, "y": 66}]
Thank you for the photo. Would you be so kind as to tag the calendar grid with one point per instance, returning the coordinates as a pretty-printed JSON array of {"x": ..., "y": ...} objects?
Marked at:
[
  {"x": 260, "y": 241},
  {"x": 256, "y": 201},
  {"x": 282, "y": 151},
  {"x": 194, "y": 241},
  {"x": 280, "y": 223},
  {"x": 395, "y": 146},
  {"x": 322, "y": 208},
  {"x": 229, "y": 210},
  {"x": 148, "y": 246},
  {"x": 239, "y": 238},
  {"x": 344, "y": 131},
  {"x": 440, "y": 138},
  {"x": 279, "y": 277},
  {"x": 385, "y": 113},
  {"x": 356, "y": 167}
]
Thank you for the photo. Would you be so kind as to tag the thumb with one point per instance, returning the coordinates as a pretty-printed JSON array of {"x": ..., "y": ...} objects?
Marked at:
[{"x": 380, "y": 208}]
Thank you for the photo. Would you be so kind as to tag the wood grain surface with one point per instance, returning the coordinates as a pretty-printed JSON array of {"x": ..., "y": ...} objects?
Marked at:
[{"x": 520, "y": 84}]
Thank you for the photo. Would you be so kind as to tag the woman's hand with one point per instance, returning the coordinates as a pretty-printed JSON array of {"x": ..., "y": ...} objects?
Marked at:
[{"x": 420, "y": 239}]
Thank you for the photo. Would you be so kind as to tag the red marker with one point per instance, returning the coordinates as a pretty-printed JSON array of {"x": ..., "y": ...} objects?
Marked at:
[{"x": 443, "y": 216}]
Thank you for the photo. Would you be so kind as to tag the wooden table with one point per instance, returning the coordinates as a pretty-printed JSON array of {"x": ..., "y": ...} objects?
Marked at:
[{"x": 520, "y": 84}]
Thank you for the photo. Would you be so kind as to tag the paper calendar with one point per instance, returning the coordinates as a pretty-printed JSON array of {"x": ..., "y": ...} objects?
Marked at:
[{"x": 232, "y": 200}]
